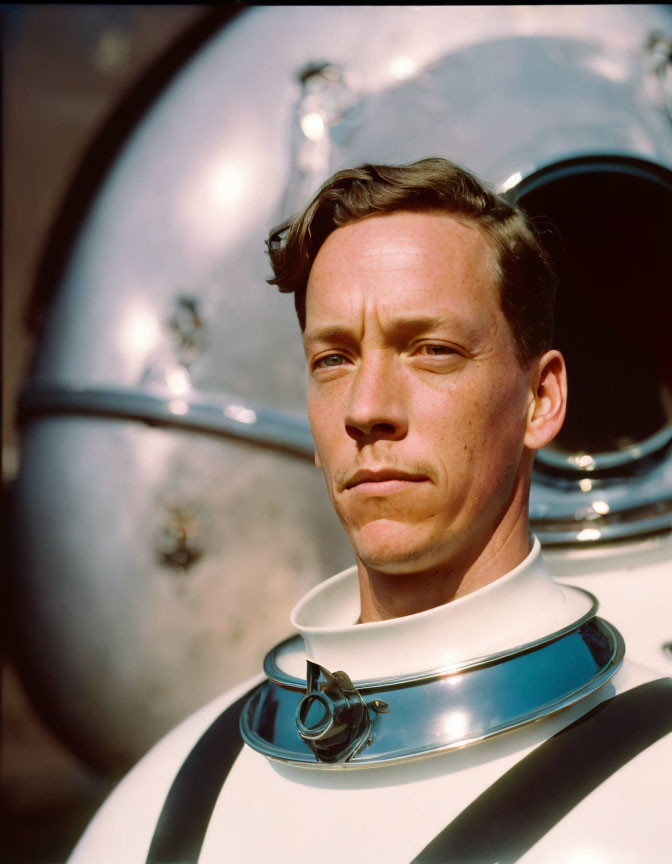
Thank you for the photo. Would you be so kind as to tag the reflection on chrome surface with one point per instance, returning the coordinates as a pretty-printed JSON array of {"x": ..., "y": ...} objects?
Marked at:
[{"x": 441, "y": 711}]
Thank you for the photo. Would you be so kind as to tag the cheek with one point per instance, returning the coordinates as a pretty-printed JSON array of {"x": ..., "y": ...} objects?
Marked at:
[
  {"x": 501, "y": 435},
  {"x": 329, "y": 436},
  {"x": 476, "y": 427},
  {"x": 323, "y": 417}
]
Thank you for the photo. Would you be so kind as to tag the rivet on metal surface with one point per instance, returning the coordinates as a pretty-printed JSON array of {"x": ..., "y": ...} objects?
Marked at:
[
  {"x": 188, "y": 329},
  {"x": 326, "y": 98},
  {"x": 184, "y": 339},
  {"x": 180, "y": 539}
]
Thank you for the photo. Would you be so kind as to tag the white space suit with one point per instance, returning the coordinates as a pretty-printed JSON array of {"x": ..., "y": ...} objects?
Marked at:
[{"x": 506, "y": 726}]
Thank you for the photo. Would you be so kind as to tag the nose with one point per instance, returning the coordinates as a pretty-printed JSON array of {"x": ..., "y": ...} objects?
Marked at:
[{"x": 376, "y": 405}]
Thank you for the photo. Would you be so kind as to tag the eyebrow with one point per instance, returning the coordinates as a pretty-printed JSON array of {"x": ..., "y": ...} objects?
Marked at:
[
  {"x": 401, "y": 327},
  {"x": 416, "y": 324},
  {"x": 328, "y": 333}
]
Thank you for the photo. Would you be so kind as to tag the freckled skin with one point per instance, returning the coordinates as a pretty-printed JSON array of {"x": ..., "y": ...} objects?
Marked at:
[{"x": 412, "y": 368}]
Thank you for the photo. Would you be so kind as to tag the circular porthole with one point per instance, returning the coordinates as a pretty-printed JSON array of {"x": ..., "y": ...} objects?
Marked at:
[{"x": 607, "y": 224}]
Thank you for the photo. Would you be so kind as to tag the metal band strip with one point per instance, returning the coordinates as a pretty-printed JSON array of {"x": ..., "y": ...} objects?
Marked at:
[
  {"x": 233, "y": 418},
  {"x": 586, "y": 464},
  {"x": 505, "y": 821},
  {"x": 452, "y": 711},
  {"x": 602, "y": 531},
  {"x": 186, "y": 812}
]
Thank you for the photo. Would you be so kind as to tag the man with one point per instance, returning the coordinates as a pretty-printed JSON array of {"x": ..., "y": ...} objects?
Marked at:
[
  {"x": 428, "y": 394},
  {"x": 425, "y": 303}
]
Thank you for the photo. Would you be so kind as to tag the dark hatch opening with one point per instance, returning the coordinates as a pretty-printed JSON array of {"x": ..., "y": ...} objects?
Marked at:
[{"x": 613, "y": 254}]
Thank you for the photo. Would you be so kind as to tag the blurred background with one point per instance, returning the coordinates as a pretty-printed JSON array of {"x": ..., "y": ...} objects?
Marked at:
[
  {"x": 65, "y": 69},
  {"x": 161, "y": 511}
]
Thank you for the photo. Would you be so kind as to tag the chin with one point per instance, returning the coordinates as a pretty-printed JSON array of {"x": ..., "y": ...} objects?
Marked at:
[{"x": 391, "y": 547}]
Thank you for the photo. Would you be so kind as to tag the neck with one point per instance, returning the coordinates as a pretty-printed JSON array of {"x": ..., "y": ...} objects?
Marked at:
[{"x": 393, "y": 595}]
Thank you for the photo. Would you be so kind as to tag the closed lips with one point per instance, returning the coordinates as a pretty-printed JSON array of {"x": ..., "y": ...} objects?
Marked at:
[{"x": 383, "y": 476}]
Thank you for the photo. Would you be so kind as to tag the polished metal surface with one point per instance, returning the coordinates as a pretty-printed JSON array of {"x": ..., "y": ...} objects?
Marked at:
[
  {"x": 112, "y": 613},
  {"x": 452, "y": 708},
  {"x": 588, "y": 462},
  {"x": 166, "y": 516},
  {"x": 332, "y": 718},
  {"x": 216, "y": 414}
]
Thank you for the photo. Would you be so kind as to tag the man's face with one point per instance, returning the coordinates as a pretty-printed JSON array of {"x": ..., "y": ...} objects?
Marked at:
[{"x": 416, "y": 399}]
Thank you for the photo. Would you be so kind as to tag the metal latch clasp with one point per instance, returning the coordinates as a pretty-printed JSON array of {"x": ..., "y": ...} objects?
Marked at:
[{"x": 332, "y": 718}]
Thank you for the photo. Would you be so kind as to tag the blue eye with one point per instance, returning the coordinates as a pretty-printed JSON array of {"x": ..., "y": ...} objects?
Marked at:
[{"x": 331, "y": 360}]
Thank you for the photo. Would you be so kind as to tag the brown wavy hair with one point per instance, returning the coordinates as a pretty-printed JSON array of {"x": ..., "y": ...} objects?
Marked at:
[{"x": 527, "y": 283}]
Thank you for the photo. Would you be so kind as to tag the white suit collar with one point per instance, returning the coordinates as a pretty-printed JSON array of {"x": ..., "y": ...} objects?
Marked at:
[{"x": 520, "y": 607}]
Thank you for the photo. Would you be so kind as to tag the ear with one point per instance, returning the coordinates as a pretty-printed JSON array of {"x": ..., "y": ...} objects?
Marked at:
[{"x": 548, "y": 400}]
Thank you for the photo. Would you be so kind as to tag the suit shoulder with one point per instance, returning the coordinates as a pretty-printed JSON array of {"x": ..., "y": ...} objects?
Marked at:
[{"x": 123, "y": 827}]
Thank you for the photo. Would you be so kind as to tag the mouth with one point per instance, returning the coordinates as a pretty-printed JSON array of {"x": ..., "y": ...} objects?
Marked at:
[{"x": 383, "y": 482}]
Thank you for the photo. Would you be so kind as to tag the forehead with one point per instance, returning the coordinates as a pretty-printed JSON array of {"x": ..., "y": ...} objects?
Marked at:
[{"x": 404, "y": 262}]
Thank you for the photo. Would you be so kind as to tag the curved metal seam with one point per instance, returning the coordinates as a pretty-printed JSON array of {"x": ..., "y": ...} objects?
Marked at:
[
  {"x": 591, "y": 462},
  {"x": 606, "y": 532},
  {"x": 228, "y": 417},
  {"x": 617, "y": 162}
]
